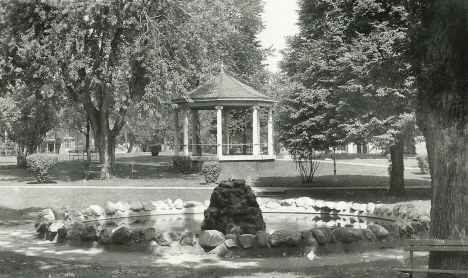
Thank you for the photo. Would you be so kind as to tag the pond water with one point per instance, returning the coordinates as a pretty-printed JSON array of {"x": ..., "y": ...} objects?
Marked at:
[{"x": 273, "y": 221}]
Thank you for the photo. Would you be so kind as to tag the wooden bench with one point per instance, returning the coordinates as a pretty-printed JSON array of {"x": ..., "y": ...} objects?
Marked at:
[
  {"x": 134, "y": 172},
  {"x": 92, "y": 168},
  {"x": 80, "y": 155},
  {"x": 438, "y": 245}
]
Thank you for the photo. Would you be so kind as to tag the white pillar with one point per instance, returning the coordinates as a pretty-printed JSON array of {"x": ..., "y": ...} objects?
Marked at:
[
  {"x": 185, "y": 126},
  {"x": 219, "y": 126},
  {"x": 270, "y": 131},
  {"x": 255, "y": 132},
  {"x": 176, "y": 132},
  {"x": 195, "y": 133},
  {"x": 226, "y": 130}
]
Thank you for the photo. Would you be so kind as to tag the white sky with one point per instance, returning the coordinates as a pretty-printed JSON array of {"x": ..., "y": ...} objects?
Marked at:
[{"x": 280, "y": 18}]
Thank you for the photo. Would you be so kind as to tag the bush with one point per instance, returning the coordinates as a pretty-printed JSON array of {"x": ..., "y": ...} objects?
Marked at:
[
  {"x": 423, "y": 163},
  {"x": 41, "y": 165},
  {"x": 183, "y": 163},
  {"x": 155, "y": 149},
  {"x": 211, "y": 171}
]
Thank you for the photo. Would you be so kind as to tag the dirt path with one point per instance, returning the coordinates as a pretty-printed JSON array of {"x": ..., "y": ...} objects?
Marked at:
[{"x": 24, "y": 255}]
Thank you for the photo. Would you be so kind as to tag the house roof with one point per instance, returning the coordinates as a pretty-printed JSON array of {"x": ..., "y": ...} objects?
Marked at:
[{"x": 224, "y": 89}]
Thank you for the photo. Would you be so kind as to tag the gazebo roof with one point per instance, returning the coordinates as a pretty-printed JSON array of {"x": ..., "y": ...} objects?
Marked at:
[{"x": 225, "y": 90}]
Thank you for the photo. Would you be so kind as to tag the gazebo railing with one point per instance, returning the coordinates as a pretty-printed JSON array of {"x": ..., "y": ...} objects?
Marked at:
[{"x": 228, "y": 149}]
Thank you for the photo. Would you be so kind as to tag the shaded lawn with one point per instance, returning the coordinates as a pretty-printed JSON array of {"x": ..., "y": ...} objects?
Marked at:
[
  {"x": 158, "y": 172},
  {"x": 18, "y": 265}
]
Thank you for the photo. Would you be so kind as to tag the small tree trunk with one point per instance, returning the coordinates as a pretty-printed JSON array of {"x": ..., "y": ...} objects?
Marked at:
[
  {"x": 88, "y": 151},
  {"x": 21, "y": 155},
  {"x": 397, "y": 174},
  {"x": 244, "y": 143}
]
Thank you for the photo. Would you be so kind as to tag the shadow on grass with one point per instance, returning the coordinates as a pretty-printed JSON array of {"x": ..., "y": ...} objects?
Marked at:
[
  {"x": 377, "y": 192},
  {"x": 341, "y": 181},
  {"x": 12, "y": 173},
  {"x": 18, "y": 214}
]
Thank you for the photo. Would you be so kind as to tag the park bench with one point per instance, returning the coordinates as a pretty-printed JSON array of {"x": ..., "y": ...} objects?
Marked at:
[
  {"x": 134, "y": 172},
  {"x": 92, "y": 168},
  {"x": 80, "y": 155},
  {"x": 438, "y": 245}
]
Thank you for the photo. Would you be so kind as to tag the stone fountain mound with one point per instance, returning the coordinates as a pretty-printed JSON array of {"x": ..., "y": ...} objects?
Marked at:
[{"x": 233, "y": 209}]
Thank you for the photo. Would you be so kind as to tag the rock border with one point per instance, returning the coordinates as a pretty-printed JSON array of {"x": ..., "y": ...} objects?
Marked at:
[{"x": 400, "y": 222}]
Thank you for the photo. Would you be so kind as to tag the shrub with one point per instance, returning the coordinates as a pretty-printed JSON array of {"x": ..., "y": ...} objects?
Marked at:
[
  {"x": 423, "y": 163},
  {"x": 211, "y": 171},
  {"x": 155, "y": 149},
  {"x": 41, "y": 165},
  {"x": 183, "y": 163}
]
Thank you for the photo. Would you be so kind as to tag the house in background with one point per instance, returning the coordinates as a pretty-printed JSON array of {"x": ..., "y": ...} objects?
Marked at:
[{"x": 55, "y": 144}]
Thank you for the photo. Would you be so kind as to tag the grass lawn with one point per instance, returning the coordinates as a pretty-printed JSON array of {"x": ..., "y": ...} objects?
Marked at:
[
  {"x": 157, "y": 172},
  {"x": 21, "y": 199}
]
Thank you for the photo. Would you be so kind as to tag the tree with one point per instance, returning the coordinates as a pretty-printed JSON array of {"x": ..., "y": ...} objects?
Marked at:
[
  {"x": 440, "y": 44},
  {"x": 354, "y": 55},
  {"x": 28, "y": 121},
  {"x": 108, "y": 55},
  {"x": 302, "y": 122}
]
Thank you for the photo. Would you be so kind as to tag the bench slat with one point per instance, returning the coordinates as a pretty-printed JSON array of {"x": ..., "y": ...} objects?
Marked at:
[
  {"x": 436, "y": 242},
  {"x": 422, "y": 270},
  {"x": 449, "y": 248}
]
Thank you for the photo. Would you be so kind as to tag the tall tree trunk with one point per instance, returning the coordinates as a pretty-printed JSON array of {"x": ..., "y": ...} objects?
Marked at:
[
  {"x": 397, "y": 174},
  {"x": 442, "y": 115}
]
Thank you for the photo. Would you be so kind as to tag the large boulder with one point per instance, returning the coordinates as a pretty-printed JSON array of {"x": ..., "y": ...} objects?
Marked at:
[
  {"x": 136, "y": 206},
  {"x": 122, "y": 235},
  {"x": 188, "y": 238},
  {"x": 283, "y": 237},
  {"x": 210, "y": 238},
  {"x": 90, "y": 233},
  {"x": 379, "y": 231},
  {"x": 347, "y": 235},
  {"x": 44, "y": 219},
  {"x": 308, "y": 238},
  {"x": 75, "y": 231},
  {"x": 233, "y": 209},
  {"x": 167, "y": 238},
  {"x": 231, "y": 241},
  {"x": 105, "y": 236},
  {"x": 262, "y": 239},
  {"x": 246, "y": 240},
  {"x": 319, "y": 236}
]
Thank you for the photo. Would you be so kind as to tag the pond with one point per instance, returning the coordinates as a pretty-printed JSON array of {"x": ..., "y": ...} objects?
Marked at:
[{"x": 274, "y": 221}]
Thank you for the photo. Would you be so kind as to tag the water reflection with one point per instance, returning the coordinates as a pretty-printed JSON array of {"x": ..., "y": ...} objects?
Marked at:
[{"x": 274, "y": 222}]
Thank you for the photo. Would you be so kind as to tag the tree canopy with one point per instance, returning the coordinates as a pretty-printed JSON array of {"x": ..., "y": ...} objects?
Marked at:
[
  {"x": 353, "y": 58},
  {"x": 109, "y": 55}
]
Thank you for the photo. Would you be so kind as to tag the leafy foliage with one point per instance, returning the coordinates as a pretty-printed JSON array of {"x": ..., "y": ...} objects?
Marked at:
[
  {"x": 352, "y": 58},
  {"x": 423, "y": 163},
  {"x": 109, "y": 55},
  {"x": 211, "y": 171},
  {"x": 41, "y": 165},
  {"x": 183, "y": 164}
]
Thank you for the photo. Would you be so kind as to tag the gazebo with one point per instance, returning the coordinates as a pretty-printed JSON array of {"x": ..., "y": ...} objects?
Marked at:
[{"x": 224, "y": 93}]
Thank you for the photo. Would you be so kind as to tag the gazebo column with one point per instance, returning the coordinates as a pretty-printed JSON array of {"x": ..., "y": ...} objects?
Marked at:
[
  {"x": 270, "y": 131},
  {"x": 196, "y": 148},
  {"x": 185, "y": 127},
  {"x": 255, "y": 132},
  {"x": 176, "y": 132},
  {"x": 219, "y": 130},
  {"x": 226, "y": 130}
]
